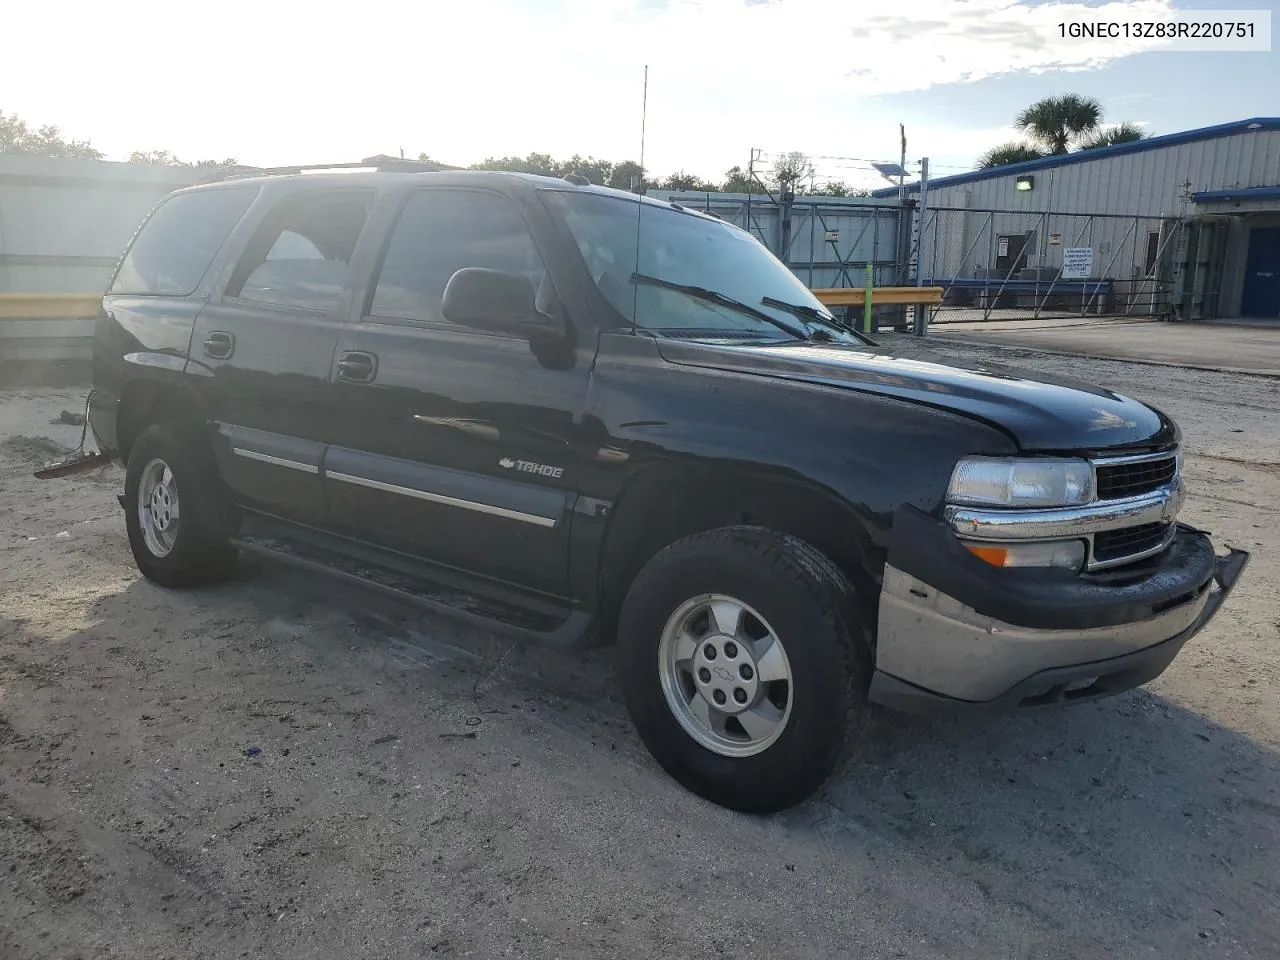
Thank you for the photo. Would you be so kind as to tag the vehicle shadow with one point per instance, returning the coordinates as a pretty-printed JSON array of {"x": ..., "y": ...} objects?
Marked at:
[
  {"x": 1128, "y": 820},
  {"x": 1129, "y": 814}
]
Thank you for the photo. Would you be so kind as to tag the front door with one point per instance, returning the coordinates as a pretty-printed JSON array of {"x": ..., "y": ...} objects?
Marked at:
[
  {"x": 1261, "y": 295},
  {"x": 1010, "y": 255},
  {"x": 262, "y": 350},
  {"x": 451, "y": 444}
]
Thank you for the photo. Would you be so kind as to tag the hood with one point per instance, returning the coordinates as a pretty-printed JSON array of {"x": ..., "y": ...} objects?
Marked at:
[{"x": 1040, "y": 412}]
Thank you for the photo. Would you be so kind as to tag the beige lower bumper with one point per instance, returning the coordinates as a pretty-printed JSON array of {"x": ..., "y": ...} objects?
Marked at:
[{"x": 933, "y": 641}]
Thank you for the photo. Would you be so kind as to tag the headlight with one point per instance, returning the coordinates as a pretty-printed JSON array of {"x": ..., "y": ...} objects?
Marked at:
[{"x": 988, "y": 481}]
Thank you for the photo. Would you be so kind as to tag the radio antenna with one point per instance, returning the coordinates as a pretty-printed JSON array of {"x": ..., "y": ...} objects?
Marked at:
[{"x": 644, "y": 116}]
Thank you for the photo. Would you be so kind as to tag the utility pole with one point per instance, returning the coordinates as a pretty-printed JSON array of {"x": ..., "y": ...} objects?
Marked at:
[{"x": 902, "y": 165}]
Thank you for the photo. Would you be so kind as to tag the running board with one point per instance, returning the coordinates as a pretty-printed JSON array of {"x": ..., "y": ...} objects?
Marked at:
[{"x": 564, "y": 629}]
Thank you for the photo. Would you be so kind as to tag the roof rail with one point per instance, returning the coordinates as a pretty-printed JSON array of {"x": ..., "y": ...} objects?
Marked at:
[{"x": 381, "y": 162}]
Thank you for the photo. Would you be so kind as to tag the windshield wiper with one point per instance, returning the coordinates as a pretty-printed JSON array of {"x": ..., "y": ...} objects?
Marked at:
[
  {"x": 714, "y": 296},
  {"x": 806, "y": 312}
]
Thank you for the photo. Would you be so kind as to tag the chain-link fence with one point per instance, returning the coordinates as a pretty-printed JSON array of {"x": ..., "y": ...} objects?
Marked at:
[
  {"x": 1007, "y": 265},
  {"x": 992, "y": 265}
]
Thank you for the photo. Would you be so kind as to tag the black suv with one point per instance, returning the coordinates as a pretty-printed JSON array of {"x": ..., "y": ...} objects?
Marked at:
[{"x": 580, "y": 415}]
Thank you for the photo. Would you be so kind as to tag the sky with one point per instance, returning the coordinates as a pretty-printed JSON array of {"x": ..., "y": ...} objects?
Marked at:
[{"x": 281, "y": 82}]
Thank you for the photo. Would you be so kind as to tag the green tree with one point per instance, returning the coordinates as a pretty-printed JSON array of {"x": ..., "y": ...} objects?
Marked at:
[
  {"x": 597, "y": 171},
  {"x": 737, "y": 180},
  {"x": 624, "y": 175},
  {"x": 165, "y": 158},
  {"x": 789, "y": 169},
  {"x": 1120, "y": 133},
  {"x": 540, "y": 164},
  {"x": 838, "y": 188},
  {"x": 1056, "y": 123},
  {"x": 17, "y": 137},
  {"x": 1008, "y": 153},
  {"x": 157, "y": 158}
]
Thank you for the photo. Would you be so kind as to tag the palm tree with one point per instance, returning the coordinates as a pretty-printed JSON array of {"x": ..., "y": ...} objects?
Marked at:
[
  {"x": 1120, "y": 133},
  {"x": 1057, "y": 122},
  {"x": 1008, "y": 153}
]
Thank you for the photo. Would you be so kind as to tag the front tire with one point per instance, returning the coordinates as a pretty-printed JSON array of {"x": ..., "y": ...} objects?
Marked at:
[
  {"x": 176, "y": 513},
  {"x": 744, "y": 663}
]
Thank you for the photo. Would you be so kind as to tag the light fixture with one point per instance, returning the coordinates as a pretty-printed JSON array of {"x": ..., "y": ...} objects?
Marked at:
[{"x": 1024, "y": 183}]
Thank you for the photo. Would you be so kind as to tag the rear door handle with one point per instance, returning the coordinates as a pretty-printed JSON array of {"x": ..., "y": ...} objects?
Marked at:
[
  {"x": 357, "y": 367},
  {"x": 219, "y": 345}
]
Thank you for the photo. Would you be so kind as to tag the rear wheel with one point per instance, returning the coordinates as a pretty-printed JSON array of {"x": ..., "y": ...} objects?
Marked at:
[
  {"x": 744, "y": 665},
  {"x": 175, "y": 510}
]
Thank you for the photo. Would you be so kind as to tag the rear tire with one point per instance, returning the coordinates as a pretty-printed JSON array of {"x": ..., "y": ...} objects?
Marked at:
[
  {"x": 733, "y": 719},
  {"x": 176, "y": 511}
]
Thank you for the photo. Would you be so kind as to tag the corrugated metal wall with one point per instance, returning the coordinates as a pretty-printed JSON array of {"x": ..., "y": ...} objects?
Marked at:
[
  {"x": 63, "y": 223},
  {"x": 832, "y": 239}
]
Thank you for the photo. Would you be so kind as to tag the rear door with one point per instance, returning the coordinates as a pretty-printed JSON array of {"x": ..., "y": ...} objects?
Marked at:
[
  {"x": 449, "y": 443},
  {"x": 263, "y": 347}
]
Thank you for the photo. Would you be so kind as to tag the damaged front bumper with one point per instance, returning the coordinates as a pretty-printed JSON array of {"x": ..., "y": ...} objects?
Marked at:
[{"x": 955, "y": 633}]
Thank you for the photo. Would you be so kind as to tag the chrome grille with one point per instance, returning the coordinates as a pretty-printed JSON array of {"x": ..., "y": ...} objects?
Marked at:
[{"x": 1131, "y": 478}]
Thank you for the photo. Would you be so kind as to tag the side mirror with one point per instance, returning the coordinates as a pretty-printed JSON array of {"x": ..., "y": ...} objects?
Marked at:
[{"x": 498, "y": 302}]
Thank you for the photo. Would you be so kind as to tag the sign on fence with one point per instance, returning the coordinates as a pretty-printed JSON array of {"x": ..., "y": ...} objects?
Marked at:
[
  {"x": 1077, "y": 263},
  {"x": 1055, "y": 239}
]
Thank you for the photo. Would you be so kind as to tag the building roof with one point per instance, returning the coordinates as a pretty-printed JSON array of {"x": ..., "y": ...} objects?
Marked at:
[{"x": 1098, "y": 153}]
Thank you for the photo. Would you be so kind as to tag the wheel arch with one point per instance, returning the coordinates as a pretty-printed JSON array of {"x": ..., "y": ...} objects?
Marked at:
[
  {"x": 667, "y": 502},
  {"x": 146, "y": 402}
]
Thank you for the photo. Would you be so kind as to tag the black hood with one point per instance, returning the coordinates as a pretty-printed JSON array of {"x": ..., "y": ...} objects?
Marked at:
[{"x": 1040, "y": 412}]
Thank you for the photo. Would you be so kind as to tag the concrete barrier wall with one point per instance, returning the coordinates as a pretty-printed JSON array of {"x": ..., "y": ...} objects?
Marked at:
[
  {"x": 48, "y": 326},
  {"x": 63, "y": 225}
]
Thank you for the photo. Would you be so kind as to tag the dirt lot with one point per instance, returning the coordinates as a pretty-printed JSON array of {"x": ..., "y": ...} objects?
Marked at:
[
  {"x": 424, "y": 791},
  {"x": 1240, "y": 347}
]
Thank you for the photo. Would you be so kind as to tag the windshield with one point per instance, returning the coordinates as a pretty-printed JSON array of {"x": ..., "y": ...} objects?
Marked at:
[{"x": 683, "y": 250}]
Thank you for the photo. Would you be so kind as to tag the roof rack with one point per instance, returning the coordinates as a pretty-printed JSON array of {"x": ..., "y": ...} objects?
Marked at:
[{"x": 381, "y": 162}]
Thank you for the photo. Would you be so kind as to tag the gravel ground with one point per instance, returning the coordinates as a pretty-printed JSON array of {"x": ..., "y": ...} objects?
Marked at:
[{"x": 275, "y": 768}]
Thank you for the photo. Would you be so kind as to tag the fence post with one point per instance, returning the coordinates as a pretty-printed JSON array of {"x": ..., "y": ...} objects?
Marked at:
[
  {"x": 875, "y": 237},
  {"x": 813, "y": 253},
  {"x": 922, "y": 311},
  {"x": 866, "y": 298}
]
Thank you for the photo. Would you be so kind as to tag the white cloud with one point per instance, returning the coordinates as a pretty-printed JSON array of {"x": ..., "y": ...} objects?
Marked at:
[{"x": 288, "y": 81}]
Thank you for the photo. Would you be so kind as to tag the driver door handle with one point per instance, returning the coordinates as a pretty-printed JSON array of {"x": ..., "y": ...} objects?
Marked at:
[{"x": 356, "y": 366}]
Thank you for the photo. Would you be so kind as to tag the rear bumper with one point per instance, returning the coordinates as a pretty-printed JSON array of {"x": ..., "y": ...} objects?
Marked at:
[{"x": 957, "y": 635}]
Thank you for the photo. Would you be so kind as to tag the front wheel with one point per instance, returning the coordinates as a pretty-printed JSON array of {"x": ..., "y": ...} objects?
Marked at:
[{"x": 743, "y": 663}]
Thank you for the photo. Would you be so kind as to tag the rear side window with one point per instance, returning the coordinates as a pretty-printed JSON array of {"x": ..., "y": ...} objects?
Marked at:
[
  {"x": 301, "y": 254},
  {"x": 179, "y": 240},
  {"x": 439, "y": 233}
]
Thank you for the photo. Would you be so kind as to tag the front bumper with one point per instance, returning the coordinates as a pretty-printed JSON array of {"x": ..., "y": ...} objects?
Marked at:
[{"x": 957, "y": 634}]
